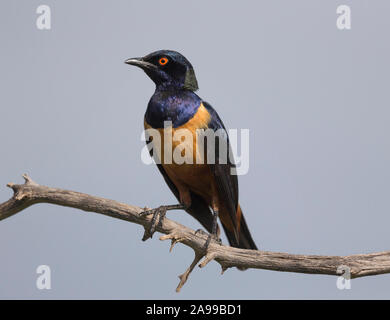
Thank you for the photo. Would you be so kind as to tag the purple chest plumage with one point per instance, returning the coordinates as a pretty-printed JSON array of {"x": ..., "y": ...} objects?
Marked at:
[{"x": 175, "y": 106}]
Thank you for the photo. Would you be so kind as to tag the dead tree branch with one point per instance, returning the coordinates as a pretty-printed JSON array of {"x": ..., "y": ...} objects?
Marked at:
[{"x": 359, "y": 265}]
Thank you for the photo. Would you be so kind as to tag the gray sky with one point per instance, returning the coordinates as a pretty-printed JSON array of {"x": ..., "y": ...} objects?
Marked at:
[{"x": 316, "y": 101}]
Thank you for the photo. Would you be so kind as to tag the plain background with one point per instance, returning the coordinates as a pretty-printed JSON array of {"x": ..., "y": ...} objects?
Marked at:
[{"x": 316, "y": 101}]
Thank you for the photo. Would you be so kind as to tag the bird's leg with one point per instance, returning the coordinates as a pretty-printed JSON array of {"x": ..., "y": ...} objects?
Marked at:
[
  {"x": 158, "y": 216},
  {"x": 214, "y": 233}
]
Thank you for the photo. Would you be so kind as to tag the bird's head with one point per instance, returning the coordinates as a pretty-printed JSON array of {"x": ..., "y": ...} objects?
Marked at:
[{"x": 167, "y": 68}]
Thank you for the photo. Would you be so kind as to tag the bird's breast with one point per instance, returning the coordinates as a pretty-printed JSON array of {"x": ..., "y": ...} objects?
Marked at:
[
  {"x": 178, "y": 107},
  {"x": 182, "y": 161},
  {"x": 183, "y": 142}
]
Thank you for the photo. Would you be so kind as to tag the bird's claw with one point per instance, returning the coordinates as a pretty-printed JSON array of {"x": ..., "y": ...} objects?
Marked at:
[
  {"x": 202, "y": 232},
  {"x": 208, "y": 241},
  {"x": 158, "y": 216},
  {"x": 209, "y": 237}
]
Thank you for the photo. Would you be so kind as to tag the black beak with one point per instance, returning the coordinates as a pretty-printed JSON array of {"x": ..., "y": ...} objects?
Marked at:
[{"x": 139, "y": 62}]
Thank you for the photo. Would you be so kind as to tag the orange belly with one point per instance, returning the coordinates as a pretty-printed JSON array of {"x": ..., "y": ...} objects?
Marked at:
[{"x": 196, "y": 177}]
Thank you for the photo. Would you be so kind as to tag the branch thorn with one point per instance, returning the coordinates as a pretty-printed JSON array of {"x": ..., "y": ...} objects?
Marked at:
[{"x": 209, "y": 257}]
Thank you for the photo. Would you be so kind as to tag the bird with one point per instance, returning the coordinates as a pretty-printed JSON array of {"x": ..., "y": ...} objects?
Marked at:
[{"x": 207, "y": 191}]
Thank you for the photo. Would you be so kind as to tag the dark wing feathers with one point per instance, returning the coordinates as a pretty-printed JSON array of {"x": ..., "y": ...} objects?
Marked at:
[{"x": 227, "y": 183}]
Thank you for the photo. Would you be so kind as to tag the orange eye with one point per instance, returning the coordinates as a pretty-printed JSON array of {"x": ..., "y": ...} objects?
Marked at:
[{"x": 163, "y": 61}]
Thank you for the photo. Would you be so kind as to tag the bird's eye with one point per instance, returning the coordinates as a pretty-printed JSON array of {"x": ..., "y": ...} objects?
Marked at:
[{"x": 163, "y": 61}]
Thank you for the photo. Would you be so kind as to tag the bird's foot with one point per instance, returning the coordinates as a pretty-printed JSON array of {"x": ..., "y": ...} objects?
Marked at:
[
  {"x": 202, "y": 232},
  {"x": 214, "y": 237},
  {"x": 209, "y": 237},
  {"x": 157, "y": 219}
]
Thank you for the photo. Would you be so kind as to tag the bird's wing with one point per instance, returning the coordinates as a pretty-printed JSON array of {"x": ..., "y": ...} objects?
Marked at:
[{"x": 227, "y": 183}]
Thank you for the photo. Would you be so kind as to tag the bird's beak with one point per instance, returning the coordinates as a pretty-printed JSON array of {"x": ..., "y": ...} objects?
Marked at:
[{"x": 139, "y": 62}]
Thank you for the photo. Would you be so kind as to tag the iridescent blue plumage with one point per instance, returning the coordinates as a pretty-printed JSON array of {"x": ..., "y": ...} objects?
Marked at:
[{"x": 177, "y": 106}]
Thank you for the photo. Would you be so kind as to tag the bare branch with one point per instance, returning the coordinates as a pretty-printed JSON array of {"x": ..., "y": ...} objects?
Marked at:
[{"x": 360, "y": 265}]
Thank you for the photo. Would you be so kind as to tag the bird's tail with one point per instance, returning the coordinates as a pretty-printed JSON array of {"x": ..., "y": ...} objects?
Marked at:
[{"x": 241, "y": 239}]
